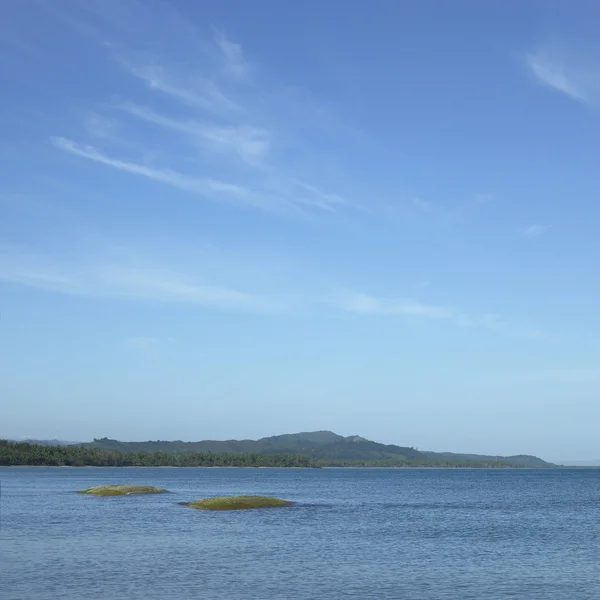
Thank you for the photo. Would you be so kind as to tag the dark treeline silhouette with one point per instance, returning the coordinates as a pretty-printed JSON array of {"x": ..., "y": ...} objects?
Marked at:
[
  {"x": 20, "y": 453},
  {"x": 25, "y": 454}
]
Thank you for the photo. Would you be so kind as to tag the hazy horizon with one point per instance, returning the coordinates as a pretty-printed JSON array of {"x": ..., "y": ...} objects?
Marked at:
[{"x": 231, "y": 219}]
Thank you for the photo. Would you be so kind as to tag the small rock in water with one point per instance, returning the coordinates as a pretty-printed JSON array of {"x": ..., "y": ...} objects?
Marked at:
[
  {"x": 237, "y": 503},
  {"x": 120, "y": 490}
]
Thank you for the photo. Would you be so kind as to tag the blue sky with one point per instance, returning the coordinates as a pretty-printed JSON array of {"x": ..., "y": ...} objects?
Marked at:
[{"x": 235, "y": 219}]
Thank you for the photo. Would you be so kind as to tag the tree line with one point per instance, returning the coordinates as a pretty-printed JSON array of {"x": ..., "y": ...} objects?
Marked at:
[{"x": 24, "y": 454}]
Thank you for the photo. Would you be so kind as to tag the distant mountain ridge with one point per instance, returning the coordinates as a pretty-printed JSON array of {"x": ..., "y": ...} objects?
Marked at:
[{"x": 325, "y": 446}]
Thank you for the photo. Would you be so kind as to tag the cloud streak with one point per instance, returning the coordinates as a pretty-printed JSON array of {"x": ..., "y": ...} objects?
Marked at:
[
  {"x": 285, "y": 197},
  {"x": 235, "y": 63},
  {"x": 205, "y": 187},
  {"x": 251, "y": 144},
  {"x": 535, "y": 230},
  {"x": 104, "y": 279},
  {"x": 367, "y": 305},
  {"x": 193, "y": 90},
  {"x": 228, "y": 134},
  {"x": 370, "y": 305},
  {"x": 578, "y": 82}
]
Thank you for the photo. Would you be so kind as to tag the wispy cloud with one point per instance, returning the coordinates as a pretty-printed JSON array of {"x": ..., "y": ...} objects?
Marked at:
[
  {"x": 163, "y": 285},
  {"x": 283, "y": 196},
  {"x": 104, "y": 279},
  {"x": 313, "y": 196},
  {"x": 143, "y": 282},
  {"x": 235, "y": 63},
  {"x": 365, "y": 304},
  {"x": 370, "y": 305},
  {"x": 249, "y": 143},
  {"x": 209, "y": 188},
  {"x": 24, "y": 268},
  {"x": 535, "y": 230},
  {"x": 220, "y": 130},
  {"x": 576, "y": 80},
  {"x": 191, "y": 89}
]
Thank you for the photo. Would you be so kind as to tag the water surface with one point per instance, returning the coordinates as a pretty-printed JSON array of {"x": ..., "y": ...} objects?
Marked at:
[{"x": 354, "y": 533}]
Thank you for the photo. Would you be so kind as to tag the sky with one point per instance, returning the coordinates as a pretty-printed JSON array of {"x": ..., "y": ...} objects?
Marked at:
[{"x": 235, "y": 219}]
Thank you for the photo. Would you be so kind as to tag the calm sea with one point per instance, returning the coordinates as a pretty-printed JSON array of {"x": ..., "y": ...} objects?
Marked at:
[{"x": 354, "y": 533}]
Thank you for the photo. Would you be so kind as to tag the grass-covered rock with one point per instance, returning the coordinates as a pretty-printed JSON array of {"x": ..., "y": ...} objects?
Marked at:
[
  {"x": 120, "y": 490},
  {"x": 237, "y": 503}
]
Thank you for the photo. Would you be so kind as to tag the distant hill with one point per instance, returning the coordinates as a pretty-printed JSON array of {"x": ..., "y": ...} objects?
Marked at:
[
  {"x": 326, "y": 446},
  {"x": 520, "y": 460},
  {"x": 316, "y": 444}
]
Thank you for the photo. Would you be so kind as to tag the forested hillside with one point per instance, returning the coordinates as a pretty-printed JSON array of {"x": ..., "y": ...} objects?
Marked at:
[
  {"x": 326, "y": 446},
  {"x": 319, "y": 444},
  {"x": 520, "y": 460}
]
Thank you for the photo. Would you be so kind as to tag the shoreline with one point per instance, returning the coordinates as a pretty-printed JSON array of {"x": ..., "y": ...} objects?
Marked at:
[{"x": 561, "y": 468}]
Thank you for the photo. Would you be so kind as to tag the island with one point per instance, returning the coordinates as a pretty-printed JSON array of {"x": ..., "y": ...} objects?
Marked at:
[{"x": 237, "y": 503}]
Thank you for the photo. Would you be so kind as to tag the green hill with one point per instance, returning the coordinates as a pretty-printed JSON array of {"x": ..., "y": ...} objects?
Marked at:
[
  {"x": 316, "y": 444},
  {"x": 325, "y": 446},
  {"x": 520, "y": 460}
]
